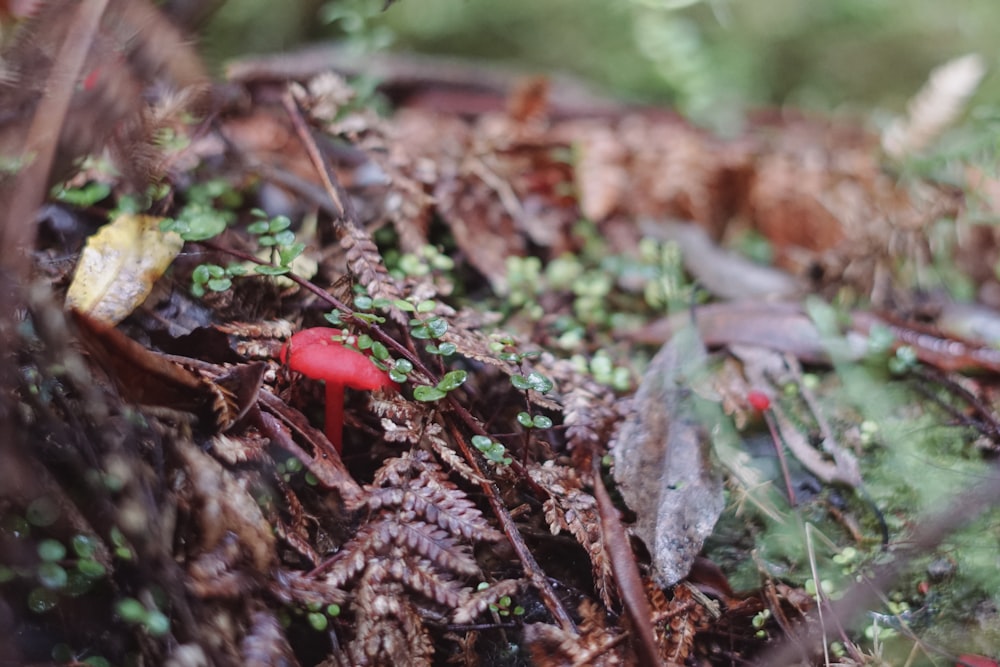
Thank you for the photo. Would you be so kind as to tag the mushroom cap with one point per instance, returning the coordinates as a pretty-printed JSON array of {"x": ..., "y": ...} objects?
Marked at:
[{"x": 315, "y": 354}]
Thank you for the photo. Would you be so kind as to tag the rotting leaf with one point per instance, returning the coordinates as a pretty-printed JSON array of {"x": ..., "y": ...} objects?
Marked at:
[
  {"x": 662, "y": 461},
  {"x": 119, "y": 265}
]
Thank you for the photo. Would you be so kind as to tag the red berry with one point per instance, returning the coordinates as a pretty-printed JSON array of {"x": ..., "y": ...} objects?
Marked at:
[{"x": 758, "y": 400}]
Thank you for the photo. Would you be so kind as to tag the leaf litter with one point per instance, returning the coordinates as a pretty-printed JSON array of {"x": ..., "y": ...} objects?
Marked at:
[{"x": 467, "y": 516}]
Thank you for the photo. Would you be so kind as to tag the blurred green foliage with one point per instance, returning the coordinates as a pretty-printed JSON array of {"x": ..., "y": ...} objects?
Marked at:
[{"x": 711, "y": 58}]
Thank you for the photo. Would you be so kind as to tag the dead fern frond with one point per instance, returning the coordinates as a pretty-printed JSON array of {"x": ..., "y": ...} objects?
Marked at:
[
  {"x": 389, "y": 628},
  {"x": 595, "y": 645},
  {"x": 452, "y": 459},
  {"x": 411, "y": 559},
  {"x": 480, "y": 601},
  {"x": 935, "y": 107},
  {"x": 265, "y": 643},
  {"x": 677, "y": 621},
  {"x": 588, "y": 408},
  {"x": 569, "y": 508},
  {"x": 364, "y": 261},
  {"x": 430, "y": 496}
]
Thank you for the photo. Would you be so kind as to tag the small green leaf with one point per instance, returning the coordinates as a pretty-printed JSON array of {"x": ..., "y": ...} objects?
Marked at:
[
  {"x": 481, "y": 442},
  {"x": 51, "y": 550},
  {"x": 380, "y": 351},
  {"x": 370, "y": 318},
  {"x": 42, "y": 512},
  {"x": 90, "y": 568},
  {"x": 397, "y": 377},
  {"x": 41, "y": 600},
  {"x": 86, "y": 196},
  {"x": 220, "y": 284},
  {"x": 428, "y": 394},
  {"x": 258, "y": 228},
  {"x": 438, "y": 327},
  {"x": 363, "y": 302},
  {"x": 279, "y": 224},
  {"x": 333, "y": 610},
  {"x": 130, "y": 610},
  {"x": 535, "y": 381},
  {"x": 541, "y": 421},
  {"x": 268, "y": 270},
  {"x": 285, "y": 238},
  {"x": 403, "y": 365},
  {"x": 452, "y": 380},
  {"x": 426, "y": 306},
  {"x": 333, "y": 317},
  {"x": 52, "y": 575},
  {"x": 524, "y": 419},
  {"x": 318, "y": 621},
  {"x": 157, "y": 623},
  {"x": 446, "y": 349},
  {"x": 288, "y": 254},
  {"x": 364, "y": 342},
  {"x": 405, "y": 306},
  {"x": 201, "y": 274}
]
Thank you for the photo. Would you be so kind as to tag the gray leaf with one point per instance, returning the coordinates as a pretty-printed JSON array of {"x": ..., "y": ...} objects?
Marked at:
[{"x": 663, "y": 462}]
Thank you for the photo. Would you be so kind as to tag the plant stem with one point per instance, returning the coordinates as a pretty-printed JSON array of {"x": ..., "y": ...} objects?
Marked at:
[{"x": 334, "y": 414}]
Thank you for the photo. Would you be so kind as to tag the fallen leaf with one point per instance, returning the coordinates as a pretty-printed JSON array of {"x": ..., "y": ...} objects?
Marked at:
[
  {"x": 119, "y": 265},
  {"x": 145, "y": 377},
  {"x": 663, "y": 463}
]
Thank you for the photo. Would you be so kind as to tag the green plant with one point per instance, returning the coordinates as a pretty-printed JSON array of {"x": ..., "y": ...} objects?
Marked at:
[
  {"x": 207, "y": 213},
  {"x": 318, "y": 616},
  {"x": 134, "y": 612},
  {"x": 505, "y": 605},
  {"x": 427, "y": 326},
  {"x": 274, "y": 233},
  {"x": 491, "y": 449}
]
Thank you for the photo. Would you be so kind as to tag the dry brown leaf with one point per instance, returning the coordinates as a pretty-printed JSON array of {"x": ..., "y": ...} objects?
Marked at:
[
  {"x": 663, "y": 464},
  {"x": 119, "y": 266}
]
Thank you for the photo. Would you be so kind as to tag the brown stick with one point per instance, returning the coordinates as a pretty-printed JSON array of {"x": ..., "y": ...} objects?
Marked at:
[
  {"x": 27, "y": 190},
  {"x": 623, "y": 565}
]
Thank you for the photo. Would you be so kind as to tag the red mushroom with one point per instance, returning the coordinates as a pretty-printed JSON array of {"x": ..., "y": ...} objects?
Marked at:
[{"x": 315, "y": 354}]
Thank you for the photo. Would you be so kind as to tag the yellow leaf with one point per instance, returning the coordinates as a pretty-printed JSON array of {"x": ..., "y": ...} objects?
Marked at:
[{"x": 119, "y": 265}]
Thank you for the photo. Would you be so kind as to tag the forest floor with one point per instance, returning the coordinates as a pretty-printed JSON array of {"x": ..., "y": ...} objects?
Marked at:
[{"x": 642, "y": 395}]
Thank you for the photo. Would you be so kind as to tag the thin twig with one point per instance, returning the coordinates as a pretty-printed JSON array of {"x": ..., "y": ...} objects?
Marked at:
[
  {"x": 531, "y": 568},
  {"x": 337, "y": 195},
  {"x": 625, "y": 569}
]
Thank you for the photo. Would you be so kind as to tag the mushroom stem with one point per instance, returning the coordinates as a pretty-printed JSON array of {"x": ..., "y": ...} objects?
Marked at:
[{"x": 334, "y": 414}]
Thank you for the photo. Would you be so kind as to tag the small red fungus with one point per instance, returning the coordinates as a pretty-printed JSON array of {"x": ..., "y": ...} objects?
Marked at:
[
  {"x": 758, "y": 400},
  {"x": 315, "y": 354},
  {"x": 969, "y": 660}
]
